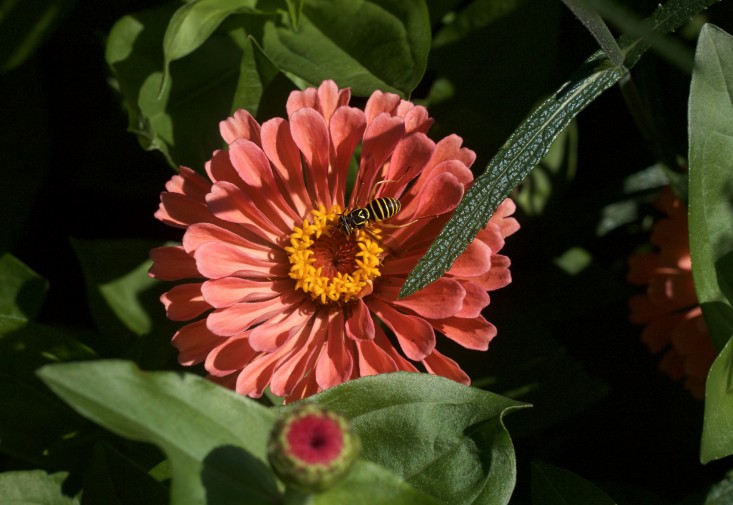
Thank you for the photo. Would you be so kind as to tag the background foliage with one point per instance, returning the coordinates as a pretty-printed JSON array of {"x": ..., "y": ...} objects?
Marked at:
[{"x": 78, "y": 196}]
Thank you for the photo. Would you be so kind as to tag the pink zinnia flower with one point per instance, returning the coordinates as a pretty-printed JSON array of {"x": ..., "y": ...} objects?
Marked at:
[
  {"x": 288, "y": 299},
  {"x": 669, "y": 307}
]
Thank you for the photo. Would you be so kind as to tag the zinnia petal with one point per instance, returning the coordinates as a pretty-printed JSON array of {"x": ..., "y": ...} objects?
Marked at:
[
  {"x": 441, "y": 365},
  {"x": 288, "y": 278},
  {"x": 415, "y": 335},
  {"x": 194, "y": 342},
  {"x": 184, "y": 302}
]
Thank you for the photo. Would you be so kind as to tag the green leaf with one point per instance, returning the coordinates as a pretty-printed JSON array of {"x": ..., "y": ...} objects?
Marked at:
[
  {"x": 717, "y": 437},
  {"x": 633, "y": 26},
  {"x": 519, "y": 155},
  {"x": 262, "y": 88},
  {"x": 554, "y": 172},
  {"x": 34, "y": 487},
  {"x": 595, "y": 25},
  {"x": 445, "y": 439},
  {"x": 295, "y": 10},
  {"x": 179, "y": 117},
  {"x": 185, "y": 415},
  {"x": 37, "y": 428},
  {"x": 233, "y": 476},
  {"x": 555, "y": 486},
  {"x": 116, "y": 273},
  {"x": 194, "y": 23},
  {"x": 710, "y": 219},
  {"x": 531, "y": 141},
  {"x": 711, "y": 180},
  {"x": 21, "y": 289},
  {"x": 364, "y": 44},
  {"x": 368, "y": 484},
  {"x": 25, "y": 25}
]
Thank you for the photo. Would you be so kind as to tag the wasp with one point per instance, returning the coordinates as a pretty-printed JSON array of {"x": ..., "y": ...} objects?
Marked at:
[{"x": 377, "y": 210}]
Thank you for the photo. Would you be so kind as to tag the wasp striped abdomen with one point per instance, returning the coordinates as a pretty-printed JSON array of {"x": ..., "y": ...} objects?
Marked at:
[
  {"x": 383, "y": 208},
  {"x": 377, "y": 210}
]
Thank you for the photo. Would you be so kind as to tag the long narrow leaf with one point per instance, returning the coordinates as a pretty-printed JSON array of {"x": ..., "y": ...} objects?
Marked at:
[
  {"x": 531, "y": 141},
  {"x": 595, "y": 25}
]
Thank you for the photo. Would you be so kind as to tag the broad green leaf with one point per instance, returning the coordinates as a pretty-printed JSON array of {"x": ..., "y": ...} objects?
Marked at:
[
  {"x": 710, "y": 222},
  {"x": 445, "y": 439},
  {"x": 717, "y": 437},
  {"x": 262, "y": 89},
  {"x": 185, "y": 415},
  {"x": 194, "y": 23},
  {"x": 295, "y": 10},
  {"x": 233, "y": 476},
  {"x": 555, "y": 486},
  {"x": 180, "y": 117},
  {"x": 125, "y": 302},
  {"x": 364, "y": 44},
  {"x": 36, "y": 427},
  {"x": 116, "y": 273},
  {"x": 368, "y": 484},
  {"x": 531, "y": 141},
  {"x": 25, "y": 25},
  {"x": 711, "y": 180},
  {"x": 34, "y": 487},
  {"x": 21, "y": 289}
]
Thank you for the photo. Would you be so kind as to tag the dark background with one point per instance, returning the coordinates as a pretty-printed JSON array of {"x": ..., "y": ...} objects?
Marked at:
[{"x": 602, "y": 409}]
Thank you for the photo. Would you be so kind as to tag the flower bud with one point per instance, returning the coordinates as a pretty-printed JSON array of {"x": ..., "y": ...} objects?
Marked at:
[{"x": 311, "y": 448}]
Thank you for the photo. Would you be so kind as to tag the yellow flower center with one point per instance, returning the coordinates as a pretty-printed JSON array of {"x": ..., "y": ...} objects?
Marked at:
[{"x": 329, "y": 265}]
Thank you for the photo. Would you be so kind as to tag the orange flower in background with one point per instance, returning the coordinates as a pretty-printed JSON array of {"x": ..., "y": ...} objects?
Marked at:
[
  {"x": 669, "y": 308},
  {"x": 288, "y": 286}
]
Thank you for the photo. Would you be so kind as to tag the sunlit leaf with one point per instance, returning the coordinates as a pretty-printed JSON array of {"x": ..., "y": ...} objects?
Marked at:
[
  {"x": 34, "y": 487},
  {"x": 194, "y": 23},
  {"x": 368, "y": 484},
  {"x": 717, "y": 437},
  {"x": 445, "y": 439},
  {"x": 364, "y": 44},
  {"x": 711, "y": 220},
  {"x": 185, "y": 415},
  {"x": 711, "y": 180},
  {"x": 179, "y": 117}
]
